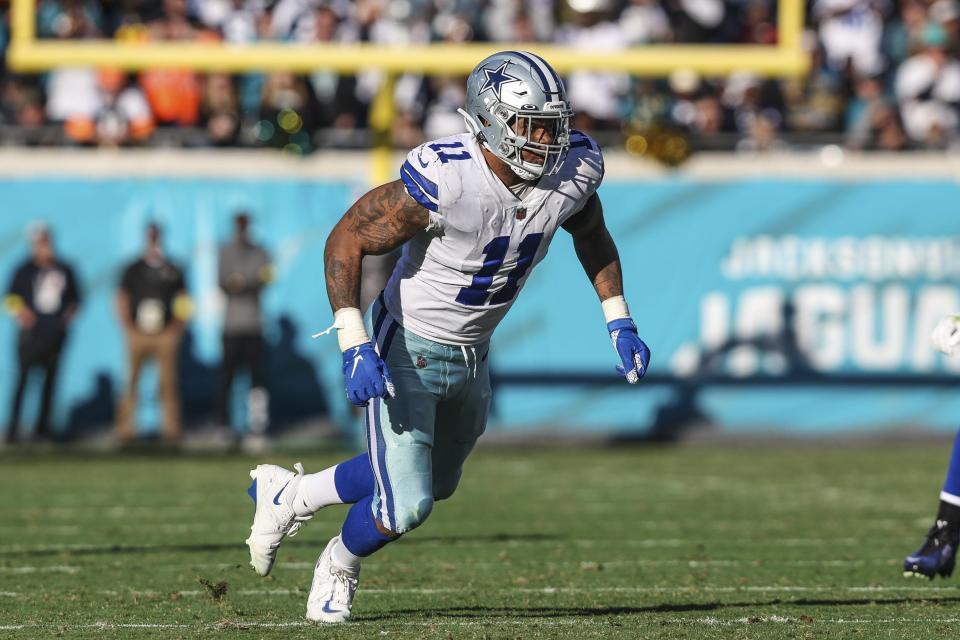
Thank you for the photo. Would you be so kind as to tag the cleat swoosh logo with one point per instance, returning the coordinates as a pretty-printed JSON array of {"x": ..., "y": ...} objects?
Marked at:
[
  {"x": 327, "y": 609},
  {"x": 276, "y": 498}
]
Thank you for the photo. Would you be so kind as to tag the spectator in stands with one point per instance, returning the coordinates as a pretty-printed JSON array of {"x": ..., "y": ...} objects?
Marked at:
[
  {"x": 928, "y": 89},
  {"x": 286, "y": 113},
  {"x": 116, "y": 115},
  {"x": 814, "y": 102},
  {"x": 174, "y": 94},
  {"x": 757, "y": 108},
  {"x": 698, "y": 20},
  {"x": 70, "y": 19},
  {"x": 244, "y": 270},
  {"x": 152, "y": 306},
  {"x": 21, "y": 103},
  {"x": 338, "y": 107},
  {"x": 946, "y": 13},
  {"x": 43, "y": 298},
  {"x": 4, "y": 36},
  {"x": 851, "y": 32},
  {"x": 597, "y": 98},
  {"x": 903, "y": 36},
  {"x": 645, "y": 21},
  {"x": 220, "y": 111},
  {"x": 872, "y": 119}
]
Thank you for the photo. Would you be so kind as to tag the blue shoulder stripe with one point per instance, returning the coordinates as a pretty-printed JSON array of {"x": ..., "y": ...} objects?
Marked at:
[
  {"x": 426, "y": 185},
  {"x": 417, "y": 193}
]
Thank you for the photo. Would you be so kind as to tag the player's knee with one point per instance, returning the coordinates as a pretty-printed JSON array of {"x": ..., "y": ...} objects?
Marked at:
[{"x": 412, "y": 516}]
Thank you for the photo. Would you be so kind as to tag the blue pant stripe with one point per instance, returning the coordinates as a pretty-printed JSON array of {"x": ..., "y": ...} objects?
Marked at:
[
  {"x": 368, "y": 429},
  {"x": 379, "y": 321},
  {"x": 377, "y": 459},
  {"x": 382, "y": 454},
  {"x": 388, "y": 338}
]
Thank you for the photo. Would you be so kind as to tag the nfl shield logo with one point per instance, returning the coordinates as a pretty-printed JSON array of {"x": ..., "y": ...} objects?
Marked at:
[
  {"x": 521, "y": 213},
  {"x": 421, "y": 362}
]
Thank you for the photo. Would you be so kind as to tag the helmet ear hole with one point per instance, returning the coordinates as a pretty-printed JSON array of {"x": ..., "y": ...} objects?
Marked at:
[{"x": 483, "y": 120}]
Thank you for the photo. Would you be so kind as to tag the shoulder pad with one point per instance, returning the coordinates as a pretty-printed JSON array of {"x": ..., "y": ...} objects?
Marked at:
[
  {"x": 431, "y": 172},
  {"x": 586, "y": 156}
]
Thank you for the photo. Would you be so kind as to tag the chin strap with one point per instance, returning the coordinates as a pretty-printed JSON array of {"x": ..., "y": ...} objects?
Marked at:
[{"x": 472, "y": 125}]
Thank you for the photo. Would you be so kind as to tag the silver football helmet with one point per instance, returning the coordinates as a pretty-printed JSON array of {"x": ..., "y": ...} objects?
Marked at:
[{"x": 511, "y": 96}]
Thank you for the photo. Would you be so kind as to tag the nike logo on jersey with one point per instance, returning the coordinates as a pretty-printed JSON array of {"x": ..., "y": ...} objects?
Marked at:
[
  {"x": 276, "y": 498},
  {"x": 423, "y": 165}
]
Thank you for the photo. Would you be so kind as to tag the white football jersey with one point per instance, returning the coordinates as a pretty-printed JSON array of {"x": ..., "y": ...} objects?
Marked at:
[{"x": 457, "y": 278}]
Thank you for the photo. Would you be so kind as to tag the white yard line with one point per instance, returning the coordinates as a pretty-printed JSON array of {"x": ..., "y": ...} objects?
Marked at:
[
  {"x": 497, "y": 566},
  {"x": 486, "y": 621},
  {"x": 690, "y": 590},
  {"x": 58, "y": 568},
  {"x": 469, "y": 565},
  {"x": 454, "y": 542}
]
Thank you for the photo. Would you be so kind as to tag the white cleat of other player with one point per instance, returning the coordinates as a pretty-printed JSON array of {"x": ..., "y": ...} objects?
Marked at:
[
  {"x": 331, "y": 594},
  {"x": 272, "y": 490}
]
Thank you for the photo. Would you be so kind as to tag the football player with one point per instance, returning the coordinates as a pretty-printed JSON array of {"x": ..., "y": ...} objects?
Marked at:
[
  {"x": 937, "y": 555},
  {"x": 474, "y": 212}
]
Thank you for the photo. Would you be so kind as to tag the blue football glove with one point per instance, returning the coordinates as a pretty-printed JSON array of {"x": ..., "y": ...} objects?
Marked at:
[
  {"x": 365, "y": 374},
  {"x": 634, "y": 354}
]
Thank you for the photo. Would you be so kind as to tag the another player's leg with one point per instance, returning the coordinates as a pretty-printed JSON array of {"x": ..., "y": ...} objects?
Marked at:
[
  {"x": 937, "y": 555},
  {"x": 285, "y": 499}
]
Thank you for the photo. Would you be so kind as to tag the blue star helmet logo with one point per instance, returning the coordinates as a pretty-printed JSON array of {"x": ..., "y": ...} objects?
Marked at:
[{"x": 495, "y": 79}]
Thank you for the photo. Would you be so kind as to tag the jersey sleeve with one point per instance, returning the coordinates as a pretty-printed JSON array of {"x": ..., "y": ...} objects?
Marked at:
[
  {"x": 420, "y": 174},
  {"x": 583, "y": 170}
]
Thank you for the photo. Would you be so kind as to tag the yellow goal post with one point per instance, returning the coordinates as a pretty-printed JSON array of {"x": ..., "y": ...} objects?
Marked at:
[{"x": 27, "y": 53}]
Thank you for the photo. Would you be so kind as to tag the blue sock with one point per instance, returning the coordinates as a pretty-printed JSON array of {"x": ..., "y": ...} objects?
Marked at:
[
  {"x": 354, "y": 479},
  {"x": 360, "y": 534},
  {"x": 952, "y": 484}
]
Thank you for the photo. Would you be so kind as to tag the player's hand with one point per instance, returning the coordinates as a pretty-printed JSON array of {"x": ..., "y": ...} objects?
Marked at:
[
  {"x": 946, "y": 335},
  {"x": 634, "y": 354},
  {"x": 365, "y": 374}
]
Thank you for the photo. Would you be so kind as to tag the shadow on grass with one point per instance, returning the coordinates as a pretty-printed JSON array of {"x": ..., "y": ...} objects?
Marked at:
[
  {"x": 493, "y": 538},
  {"x": 591, "y": 612},
  {"x": 89, "y": 550}
]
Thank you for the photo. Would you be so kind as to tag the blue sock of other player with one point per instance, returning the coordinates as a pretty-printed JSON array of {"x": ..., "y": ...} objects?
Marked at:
[
  {"x": 344, "y": 483},
  {"x": 950, "y": 496}
]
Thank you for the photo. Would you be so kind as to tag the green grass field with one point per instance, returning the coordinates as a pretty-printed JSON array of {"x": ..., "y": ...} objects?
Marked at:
[{"x": 687, "y": 542}]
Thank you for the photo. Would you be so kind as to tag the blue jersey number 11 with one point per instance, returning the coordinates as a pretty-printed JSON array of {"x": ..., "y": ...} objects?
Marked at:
[{"x": 496, "y": 250}]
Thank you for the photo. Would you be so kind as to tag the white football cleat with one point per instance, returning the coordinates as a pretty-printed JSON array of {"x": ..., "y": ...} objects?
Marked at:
[
  {"x": 331, "y": 594},
  {"x": 272, "y": 491}
]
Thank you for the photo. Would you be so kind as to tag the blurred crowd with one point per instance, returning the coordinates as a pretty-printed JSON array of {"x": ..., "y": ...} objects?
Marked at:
[{"x": 886, "y": 73}]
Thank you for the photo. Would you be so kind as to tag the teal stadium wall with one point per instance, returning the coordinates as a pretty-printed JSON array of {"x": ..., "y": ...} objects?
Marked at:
[{"x": 794, "y": 306}]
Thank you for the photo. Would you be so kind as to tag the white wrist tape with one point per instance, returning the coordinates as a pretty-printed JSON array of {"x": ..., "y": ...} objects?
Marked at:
[
  {"x": 615, "y": 308},
  {"x": 350, "y": 328}
]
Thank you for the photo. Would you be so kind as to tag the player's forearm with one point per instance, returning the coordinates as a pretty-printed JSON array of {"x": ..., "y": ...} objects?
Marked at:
[
  {"x": 342, "y": 259},
  {"x": 601, "y": 262}
]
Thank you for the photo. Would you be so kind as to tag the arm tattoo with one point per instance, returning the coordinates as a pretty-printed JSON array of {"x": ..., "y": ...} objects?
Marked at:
[
  {"x": 596, "y": 249},
  {"x": 376, "y": 224}
]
